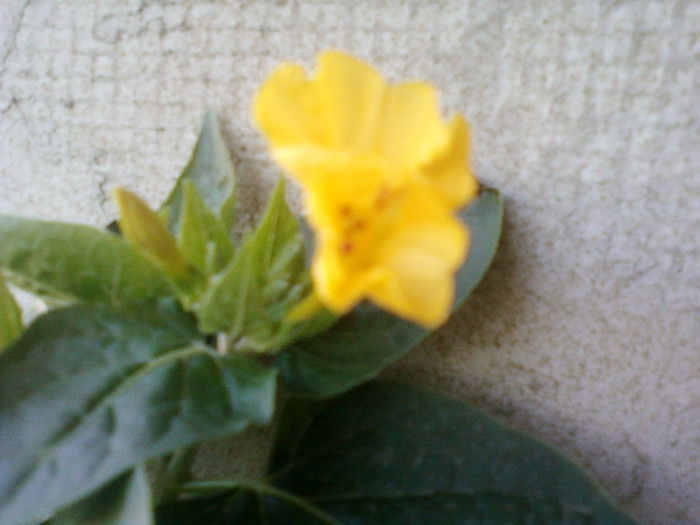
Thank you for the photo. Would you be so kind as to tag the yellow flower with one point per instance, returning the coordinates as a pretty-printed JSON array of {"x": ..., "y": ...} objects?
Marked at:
[{"x": 383, "y": 176}]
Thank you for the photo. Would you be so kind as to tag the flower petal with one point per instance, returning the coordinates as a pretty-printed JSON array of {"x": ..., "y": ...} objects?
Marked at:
[
  {"x": 420, "y": 259},
  {"x": 351, "y": 94},
  {"x": 310, "y": 164},
  {"x": 418, "y": 288},
  {"x": 340, "y": 198},
  {"x": 288, "y": 111},
  {"x": 448, "y": 171},
  {"x": 425, "y": 222},
  {"x": 409, "y": 129},
  {"x": 344, "y": 190},
  {"x": 338, "y": 289}
]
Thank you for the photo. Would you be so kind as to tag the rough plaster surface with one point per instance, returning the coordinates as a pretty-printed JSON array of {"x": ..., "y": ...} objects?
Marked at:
[{"x": 586, "y": 115}]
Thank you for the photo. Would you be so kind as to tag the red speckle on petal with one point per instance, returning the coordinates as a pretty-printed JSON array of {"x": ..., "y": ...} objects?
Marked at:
[
  {"x": 382, "y": 198},
  {"x": 358, "y": 225}
]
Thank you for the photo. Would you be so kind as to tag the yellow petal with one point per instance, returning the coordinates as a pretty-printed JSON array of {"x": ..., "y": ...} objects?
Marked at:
[
  {"x": 418, "y": 287},
  {"x": 448, "y": 171},
  {"x": 340, "y": 207},
  {"x": 351, "y": 94},
  {"x": 287, "y": 109},
  {"x": 342, "y": 188},
  {"x": 337, "y": 288},
  {"x": 309, "y": 164},
  {"x": 420, "y": 260},
  {"x": 424, "y": 221},
  {"x": 409, "y": 129}
]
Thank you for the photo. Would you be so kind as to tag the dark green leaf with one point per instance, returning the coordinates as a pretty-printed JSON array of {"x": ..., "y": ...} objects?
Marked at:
[
  {"x": 123, "y": 501},
  {"x": 10, "y": 316},
  {"x": 366, "y": 340},
  {"x": 266, "y": 277},
  {"x": 86, "y": 393},
  {"x": 211, "y": 172},
  {"x": 388, "y": 453},
  {"x": 76, "y": 262}
]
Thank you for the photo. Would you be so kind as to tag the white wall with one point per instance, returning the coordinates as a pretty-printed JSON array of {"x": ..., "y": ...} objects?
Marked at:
[{"x": 586, "y": 115}]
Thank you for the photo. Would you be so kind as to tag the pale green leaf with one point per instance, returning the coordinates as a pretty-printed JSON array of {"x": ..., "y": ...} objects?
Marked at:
[
  {"x": 75, "y": 262},
  {"x": 202, "y": 237},
  {"x": 211, "y": 172},
  {"x": 266, "y": 277},
  {"x": 10, "y": 316},
  {"x": 231, "y": 294}
]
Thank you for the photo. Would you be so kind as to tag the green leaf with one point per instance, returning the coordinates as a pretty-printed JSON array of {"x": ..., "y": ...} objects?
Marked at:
[
  {"x": 266, "y": 277},
  {"x": 75, "y": 262},
  {"x": 10, "y": 316},
  {"x": 202, "y": 237},
  {"x": 87, "y": 392},
  {"x": 388, "y": 453},
  {"x": 123, "y": 501},
  {"x": 366, "y": 340},
  {"x": 210, "y": 171}
]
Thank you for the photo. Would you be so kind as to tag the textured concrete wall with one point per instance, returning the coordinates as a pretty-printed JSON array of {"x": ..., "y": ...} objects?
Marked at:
[{"x": 586, "y": 115}]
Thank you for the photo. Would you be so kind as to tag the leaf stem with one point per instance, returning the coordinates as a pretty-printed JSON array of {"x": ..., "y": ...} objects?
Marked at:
[
  {"x": 179, "y": 463},
  {"x": 168, "y": 472},
  {"x": 262, "y": 489}
]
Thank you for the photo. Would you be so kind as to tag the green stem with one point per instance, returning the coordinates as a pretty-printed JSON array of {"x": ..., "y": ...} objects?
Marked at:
[
  {"x": 197, "y": 487},
  {"x": 180, "y": 461},
  {"x": 169, "y": 471}
]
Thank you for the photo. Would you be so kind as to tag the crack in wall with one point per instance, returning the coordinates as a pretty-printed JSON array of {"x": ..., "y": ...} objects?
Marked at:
[{"x": 12, "y": 38}]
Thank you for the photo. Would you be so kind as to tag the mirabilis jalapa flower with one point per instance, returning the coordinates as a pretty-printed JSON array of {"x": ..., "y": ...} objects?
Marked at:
[{"x": 383, "y": 177}]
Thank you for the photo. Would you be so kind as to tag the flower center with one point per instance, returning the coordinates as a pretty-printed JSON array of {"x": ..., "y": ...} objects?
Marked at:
[{"x": 361, "y": 226}]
